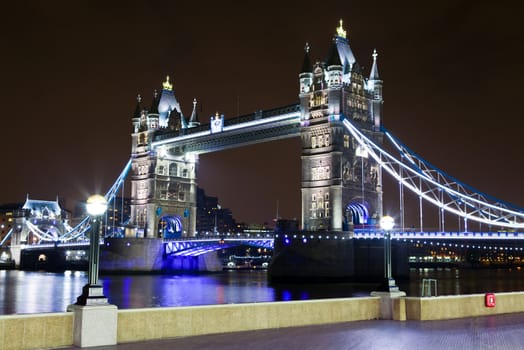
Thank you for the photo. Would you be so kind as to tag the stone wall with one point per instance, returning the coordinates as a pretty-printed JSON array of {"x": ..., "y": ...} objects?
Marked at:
[
  {"x": 56, "y": 330},
  {"x": 158, "y": 323},
  {"x": 36, "y": 331},
  {"x": 459, "y": 306}
]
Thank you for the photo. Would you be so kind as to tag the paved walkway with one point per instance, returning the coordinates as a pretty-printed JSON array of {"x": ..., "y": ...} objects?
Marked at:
[{"x": 490, "y": 332}]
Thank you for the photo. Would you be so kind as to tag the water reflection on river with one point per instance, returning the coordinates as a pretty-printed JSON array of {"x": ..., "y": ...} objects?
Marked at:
[{"x": 36, "y": 292}]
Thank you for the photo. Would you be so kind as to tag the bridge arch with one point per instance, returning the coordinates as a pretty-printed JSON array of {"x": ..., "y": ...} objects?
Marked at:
[
  {"x": 357, "y": 212},
  {"x": 170, "y": 226}
]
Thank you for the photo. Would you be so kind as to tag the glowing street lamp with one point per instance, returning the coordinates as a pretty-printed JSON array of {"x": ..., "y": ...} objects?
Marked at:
[
  {"x": 387, "y": 223},
  {"x": 92, "y": 293}
]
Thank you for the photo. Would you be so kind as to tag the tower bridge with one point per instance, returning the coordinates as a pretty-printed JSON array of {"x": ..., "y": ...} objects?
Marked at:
[{"x": 338, "y": 118}]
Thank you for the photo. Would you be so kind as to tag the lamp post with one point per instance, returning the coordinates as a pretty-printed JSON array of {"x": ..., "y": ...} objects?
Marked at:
[
  {"x": 218, "y": 207},
  {"x": 95, "y": 321},
  {"x": 93, "y": 293},
  {"x": 386, "y": 224}
]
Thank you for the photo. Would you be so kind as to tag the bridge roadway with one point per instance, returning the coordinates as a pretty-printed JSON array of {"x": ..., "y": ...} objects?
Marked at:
[
  {"x": 503, "y": 332},
  {"x": 178, "y": 245}
]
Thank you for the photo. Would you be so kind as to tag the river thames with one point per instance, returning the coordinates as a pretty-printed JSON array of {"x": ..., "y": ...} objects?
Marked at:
[{"x": 23, "y": 292}]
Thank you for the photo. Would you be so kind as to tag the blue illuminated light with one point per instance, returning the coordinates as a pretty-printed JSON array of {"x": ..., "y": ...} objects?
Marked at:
[
  {"x": 286, "y": 295},
  {"x": 286, "y": 241},
  {"x": 304, "y": 240}
]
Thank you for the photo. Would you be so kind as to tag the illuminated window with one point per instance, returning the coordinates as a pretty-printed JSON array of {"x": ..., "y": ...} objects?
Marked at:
[
  {"x": 318, "y": 99},
  {"x": 173, "y": 169},
  {"x": 326, "y": 140},
  {"x": 321, "y": 141},
  {"x": 313, "y": 141},
  {"x": 346, "y": 141}
]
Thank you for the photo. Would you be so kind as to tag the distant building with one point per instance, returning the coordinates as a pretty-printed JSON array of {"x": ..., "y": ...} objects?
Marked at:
[
  {"x": 40, "y": 220},
  {"x": 7, "y": 212},
  {"x": 211, "y": 214},
  {"x": 117, "y": 215}
]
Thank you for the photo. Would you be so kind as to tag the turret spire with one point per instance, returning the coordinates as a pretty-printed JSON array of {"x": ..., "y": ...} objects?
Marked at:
[
  {"x": 374, "y": 69},
  {"x": 334, "y": 57},
  {"x": 340, "y": 30},
  {"x": 167, "y": 85},
  {"x": 138, "y": 108},
  {"x": 154, "y": 104},
  {"x": 193, "y": 120},
  {"x": 306, "y": 65}
]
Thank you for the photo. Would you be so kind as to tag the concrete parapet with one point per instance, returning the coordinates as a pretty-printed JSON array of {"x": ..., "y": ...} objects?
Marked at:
[
  {"x": 57, "y": 329},
  {"x": 37, "y": 331},
  {"x": 157, "y": 323},
  {"x": 459, "y": 306}
]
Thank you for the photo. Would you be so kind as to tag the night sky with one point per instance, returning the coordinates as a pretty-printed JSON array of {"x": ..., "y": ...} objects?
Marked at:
[{"x": 70, "y": 72}]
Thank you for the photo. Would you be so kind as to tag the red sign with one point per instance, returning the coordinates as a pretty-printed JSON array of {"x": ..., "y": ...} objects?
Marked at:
[{"x": 490, "y": 300}]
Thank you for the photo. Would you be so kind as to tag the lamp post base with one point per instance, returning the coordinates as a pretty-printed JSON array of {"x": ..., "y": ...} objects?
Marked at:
[
  {"x": 388, "y": 285},
  {"x": 92, "y": 295},
  {"x": 94, "y": 325}
]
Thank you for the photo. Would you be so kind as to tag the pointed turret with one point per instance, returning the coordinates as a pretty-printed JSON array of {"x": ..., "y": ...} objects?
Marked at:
[
  {"x": 374, "y": 69},
  {"x": 138, "y": 108},
  {"x": 344, "y": 51},
  {"x": 306, "y": 76},
  {"x": 183, "y": 122},
  {"x": 154, "y": 103},
  {"x": 167, "y": 103},
  {"x": 193, "y": 120},
  {"x": 306, "y": 64},
  {"x": 375, "y": 87},
  {"x": 334, "y": 68},
  {"x": 136, "y": 115},
  {"x": 334, "y": 57}
]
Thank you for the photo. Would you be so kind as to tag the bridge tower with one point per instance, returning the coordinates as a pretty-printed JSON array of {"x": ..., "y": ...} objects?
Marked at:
[
  {"x": 163, "y": 182},
  {"x": 341, "y": 185}
]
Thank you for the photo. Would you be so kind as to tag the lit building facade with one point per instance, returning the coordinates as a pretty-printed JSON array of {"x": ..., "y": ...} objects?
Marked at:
[
  {"x": 341, "y": 185},
  {"x": 163, "y": 184}
]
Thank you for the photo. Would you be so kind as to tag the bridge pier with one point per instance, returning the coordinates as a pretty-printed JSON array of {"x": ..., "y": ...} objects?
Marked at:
[
  {"x": 16, "y": 253},
  {"x": 334, "y": 256}
]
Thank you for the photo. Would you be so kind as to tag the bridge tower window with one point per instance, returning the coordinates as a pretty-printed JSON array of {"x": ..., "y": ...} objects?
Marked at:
[
  {"x": 346, "y": 141},
  {"x": 173, "y": 169}
]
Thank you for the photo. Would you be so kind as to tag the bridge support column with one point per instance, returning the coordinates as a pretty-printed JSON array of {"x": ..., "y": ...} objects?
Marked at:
[{"x": 16, "y": 253}]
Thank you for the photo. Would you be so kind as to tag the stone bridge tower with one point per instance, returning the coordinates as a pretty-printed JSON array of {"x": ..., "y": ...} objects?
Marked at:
[
  {"x": 163, "y": 181},
  {"x": 341, "y": 185}
]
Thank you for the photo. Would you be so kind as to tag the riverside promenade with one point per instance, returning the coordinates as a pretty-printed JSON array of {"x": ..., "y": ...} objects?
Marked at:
[{"x": 501, "y": 332}]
